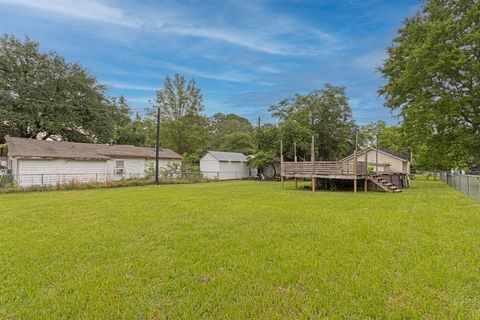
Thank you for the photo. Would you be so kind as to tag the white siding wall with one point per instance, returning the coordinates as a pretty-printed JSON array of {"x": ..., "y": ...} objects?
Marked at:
[
  {"x": 133, "y": 168},
  {"x": 210, "y": 167},
  {"x": 162, "y": 163},
  {"x": 269, "y": 173},
  {"x": 12, "y": 164},
  {"x": 51, "y": 172},
  {"x": 233, "y": 170},
  {"x": 396, "y": 165},
  {"x": 57, "y": 171}
]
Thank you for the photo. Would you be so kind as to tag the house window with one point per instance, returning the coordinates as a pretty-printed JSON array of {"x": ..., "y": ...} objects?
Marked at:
[
  {"x": 119, "y": 167},
  {"x": 119, "y": 164}
]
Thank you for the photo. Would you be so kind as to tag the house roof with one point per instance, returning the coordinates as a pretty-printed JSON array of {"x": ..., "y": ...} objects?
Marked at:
[
  {"x": 228, "y": 156},
  {"x": 387, "y": 152},
  {"x": 31, "y": 148}
]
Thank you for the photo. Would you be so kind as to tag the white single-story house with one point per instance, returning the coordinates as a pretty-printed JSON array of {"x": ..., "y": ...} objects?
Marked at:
[
  {"x": 40, "y": 162},
  {"x": 387, "y": 161},
  {"x": 225, "y": 166}
]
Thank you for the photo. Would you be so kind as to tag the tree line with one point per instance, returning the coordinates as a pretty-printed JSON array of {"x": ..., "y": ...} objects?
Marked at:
[
  {"x": 43, "y": 96},
  {"x": 432, "y": 74}
]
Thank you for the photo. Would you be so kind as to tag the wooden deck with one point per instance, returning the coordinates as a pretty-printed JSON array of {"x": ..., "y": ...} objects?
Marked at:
[
  {"x": 341, "y": 170},
  {"x": 345, "y": 169},
  {"x": 324, "y": 169}
]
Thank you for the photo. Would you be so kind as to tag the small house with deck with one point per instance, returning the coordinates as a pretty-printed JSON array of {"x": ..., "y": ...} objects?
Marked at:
[{"x": 371, "y": 168}]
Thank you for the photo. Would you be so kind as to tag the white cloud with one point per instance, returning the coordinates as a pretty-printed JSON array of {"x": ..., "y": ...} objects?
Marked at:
[
  {"x": 231, "y": 76},
  {"x": 225, "y": 35},
  {"x": 145, "y": 99},
  {"x": 130, "y": 86},
  {"x": 86, "y": 9},
  {"x": 370, "y": 60},
  {"x": 267, "y": 36}
]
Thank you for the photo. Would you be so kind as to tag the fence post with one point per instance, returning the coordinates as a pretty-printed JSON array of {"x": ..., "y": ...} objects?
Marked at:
[
  {"x": 468, "y": 186},
  {"x": 42, "y": 182},
  {"x": 218, "y": 175}
]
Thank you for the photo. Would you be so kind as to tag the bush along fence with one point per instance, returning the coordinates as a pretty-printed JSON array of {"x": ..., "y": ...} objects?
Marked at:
[
  {"x": 68, "y": 181},
  {"x": 465, "y": 183}
]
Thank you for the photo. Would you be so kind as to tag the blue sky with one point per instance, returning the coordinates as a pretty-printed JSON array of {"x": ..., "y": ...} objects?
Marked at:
[{"x": 245, "y": 55}]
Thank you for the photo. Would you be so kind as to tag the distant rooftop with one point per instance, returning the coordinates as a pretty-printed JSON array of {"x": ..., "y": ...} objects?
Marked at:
[
  {"x": 228, "y": 156},
  {"x": 31, "y": 148}
]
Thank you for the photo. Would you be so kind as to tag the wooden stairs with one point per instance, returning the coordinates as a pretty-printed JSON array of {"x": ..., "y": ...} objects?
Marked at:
[{"x": 385, "y": 185}]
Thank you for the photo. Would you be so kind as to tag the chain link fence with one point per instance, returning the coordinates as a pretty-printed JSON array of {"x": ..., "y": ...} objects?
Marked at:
[
  {"x": 82, "y": 180},
  {"x": 465, "y": 183}
]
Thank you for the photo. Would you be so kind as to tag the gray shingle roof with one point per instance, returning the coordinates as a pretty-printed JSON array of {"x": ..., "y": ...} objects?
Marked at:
[
  {"x": 30, "y": 148},
  {"x": 228, "y": 156},
  {"x": 385, "y": 151}
]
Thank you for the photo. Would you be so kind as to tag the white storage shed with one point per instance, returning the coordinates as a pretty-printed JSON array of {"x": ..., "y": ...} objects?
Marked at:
[{"x": 225, "y": 166}]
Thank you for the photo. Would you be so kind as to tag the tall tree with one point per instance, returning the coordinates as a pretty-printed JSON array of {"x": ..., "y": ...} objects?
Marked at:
[
  {"x": 237, "y": 142},
  {"x": 294, "y": 135},
  {"x": 267, "y": 138},
  {"x": 230, "y": 132},
  {"x": 42, "y": 96},
  {"x": 327, "y": 114},
  {"x": 433, "y": 81},
  {"x": 184, "y": 128}
]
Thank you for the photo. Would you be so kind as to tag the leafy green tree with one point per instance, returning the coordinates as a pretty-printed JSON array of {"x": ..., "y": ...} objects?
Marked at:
[
  {"x": 42, "y": 96},
  {"x": 126, "y": 130},
  {"x": 267, "y": 138},
  {"x": 433, "y": 76},
  {"x": 237, "y": 142},
  {"x": 135, "y": 132},
  {"x": 291, "y": 133},
  {"x": 327, "y": 114},
  {"x": 262, "y": 160},
  {"x": 183, "y": 127},
  {"x": 226, "y": 127},
  {"x": 369, "y": 133}
]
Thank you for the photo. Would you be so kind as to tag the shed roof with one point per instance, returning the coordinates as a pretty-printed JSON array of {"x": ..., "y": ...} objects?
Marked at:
[
  {"x": 228, "y": 156},
  {"x": 31, "y": 148}
]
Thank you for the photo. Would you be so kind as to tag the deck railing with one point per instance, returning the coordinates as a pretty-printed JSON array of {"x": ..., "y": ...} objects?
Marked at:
[
  {"x": 318, "y": 168},
  {"x": 304, "y": 168}
]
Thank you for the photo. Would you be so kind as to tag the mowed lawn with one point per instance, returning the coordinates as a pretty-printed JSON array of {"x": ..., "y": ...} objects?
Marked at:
[{"x": 235, "y": 250}]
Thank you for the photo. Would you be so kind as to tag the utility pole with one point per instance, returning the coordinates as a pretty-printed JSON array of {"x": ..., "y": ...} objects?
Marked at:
[
  {"x": 376, "y": 155},
  {"x": 258, "y": 132},
  {"x": 355, "y": 164},
  {"x": 157, "y": 147}
]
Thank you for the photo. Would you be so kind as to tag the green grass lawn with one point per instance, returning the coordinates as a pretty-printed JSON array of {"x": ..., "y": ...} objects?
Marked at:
[{"x": 239, "y": 250}]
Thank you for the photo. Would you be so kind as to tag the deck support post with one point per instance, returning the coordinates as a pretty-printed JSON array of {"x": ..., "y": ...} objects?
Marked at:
[
  {"x": 366, "y": 170},
  {"x": 355, "y": 171},
  {"x": 312, "y": 157},
  {"x": 355, "y": 164},
  {"x": 281, "y": 165},
  {"x": 295, "y": 159}
]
